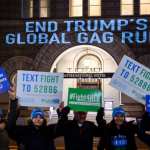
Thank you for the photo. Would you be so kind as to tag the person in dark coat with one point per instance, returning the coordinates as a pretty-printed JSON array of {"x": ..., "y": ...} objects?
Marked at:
[
  {"x": 34, "y": 136},
  {"x": 4, "y": 139},
  {"x": 144, "y": 128},
  {"x": 102, "y": 125},
  {"x": 119, "y": 135},
  {"x": 78, "y": 133}
]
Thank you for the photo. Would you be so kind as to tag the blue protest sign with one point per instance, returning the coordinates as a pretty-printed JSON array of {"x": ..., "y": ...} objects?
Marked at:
[
  {"x": 4, "y": 82},
  {"x": 148, "y": 103}
]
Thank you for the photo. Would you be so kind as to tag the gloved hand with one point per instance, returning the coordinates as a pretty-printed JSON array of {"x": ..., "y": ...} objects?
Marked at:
[
  {"x": 63, "y": 112},
  {"x": 100, "y": 117}
]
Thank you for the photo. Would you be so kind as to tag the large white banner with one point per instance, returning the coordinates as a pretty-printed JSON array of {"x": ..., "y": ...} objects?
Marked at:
[
  {"x": 39, "y": 88},
  {"x": 132, "y": 78}
]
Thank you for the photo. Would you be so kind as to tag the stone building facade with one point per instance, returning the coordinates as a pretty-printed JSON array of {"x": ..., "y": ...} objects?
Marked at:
[{"x": 14, "y": 14}]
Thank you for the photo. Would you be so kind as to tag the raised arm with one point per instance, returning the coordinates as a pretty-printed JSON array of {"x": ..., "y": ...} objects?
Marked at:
[
  {"x": 13, "y": 113},
  {"x": 62, "y": 113},
  {"x": 14, "y": 130}
]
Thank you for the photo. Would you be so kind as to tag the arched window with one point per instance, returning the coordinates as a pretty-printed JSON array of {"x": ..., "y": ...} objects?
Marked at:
[
  {"x": 89, "y": 63},
  {"x": 75, "y": 8},
  {"x": 127, "y": 7},
  {"x": 145, "y": 7},
  {"x": 94, "y": 8}
]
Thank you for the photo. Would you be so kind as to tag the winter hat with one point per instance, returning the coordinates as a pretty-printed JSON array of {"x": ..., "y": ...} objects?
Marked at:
[
  {"x": 37, "y": 112},
  {"x": 118, "y": 111}
]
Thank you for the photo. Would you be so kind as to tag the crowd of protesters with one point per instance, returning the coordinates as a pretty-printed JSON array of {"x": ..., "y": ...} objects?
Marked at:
[{"x": 78, "y": 133}]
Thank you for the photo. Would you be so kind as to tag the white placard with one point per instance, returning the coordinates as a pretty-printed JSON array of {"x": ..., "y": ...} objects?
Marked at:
[
  {"x": 132, "y": 79},
  {"x": 42, "y": 89}
]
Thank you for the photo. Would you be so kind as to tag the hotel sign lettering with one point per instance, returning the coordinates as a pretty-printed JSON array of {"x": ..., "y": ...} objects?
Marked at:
[{"x": 88, "y": 75}]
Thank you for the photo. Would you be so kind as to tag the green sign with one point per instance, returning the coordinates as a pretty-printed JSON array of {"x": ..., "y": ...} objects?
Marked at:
[{"x": 84, "y": 99}]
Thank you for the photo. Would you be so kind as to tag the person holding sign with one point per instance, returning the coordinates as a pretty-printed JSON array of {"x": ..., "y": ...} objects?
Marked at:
[
  {"x": 34, "y": 136},
  {"x": 144, "y": 128},
  {"x": 78, "y": 133},
  {"x": 4, "y": 139},
  {"x": 102, "y": 124},
  {"x": 144, "y": 124},
  {"x": 119, "y": 135}
]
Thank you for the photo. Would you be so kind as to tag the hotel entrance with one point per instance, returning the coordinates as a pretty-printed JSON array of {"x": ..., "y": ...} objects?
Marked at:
[{"x": 89, "y": 62}]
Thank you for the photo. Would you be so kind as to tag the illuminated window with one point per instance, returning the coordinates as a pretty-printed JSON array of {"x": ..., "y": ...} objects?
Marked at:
[
  {"x": 94, "y": 7},
  {"x": 126, "y": 7},
  {"x": 76, "y": 7},
  {"x": 41, "y": 8},
  {"x": 31, "y": 8},
  {"x": 44, "y": 8},
  {"x": 27, "y": 8},
  {"x": 145, "y": 7}
]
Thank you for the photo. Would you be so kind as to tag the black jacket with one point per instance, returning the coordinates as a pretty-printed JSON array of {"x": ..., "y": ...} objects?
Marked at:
[
  {"x": 4, "y": 140},
  {"x": 75, "y": 137},
  {"x": 144, "y": 126},
  {"x": 29, "y": 136},
  {"x": 118, "y": 139}
]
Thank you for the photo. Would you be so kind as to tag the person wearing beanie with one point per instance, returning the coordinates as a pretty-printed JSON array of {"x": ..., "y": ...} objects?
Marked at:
[
  {"x": 36, "y": 135},
  {"x": 118, "y": 134},
  {"x": 37, "y": 112},
  {"x": 4, "y": 139},
  {"x": 102, "y": 125}
]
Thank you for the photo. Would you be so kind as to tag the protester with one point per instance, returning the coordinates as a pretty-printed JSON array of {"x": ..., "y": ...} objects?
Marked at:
[
  {"x": 34, "y": 136},
  {"x": 119, "y": 135},
  {"x": 4, "y": 139},
  {"x": 78, "y": 133},
  {"x": 144, "y": 128},
  {"x": 102, "y": 125}
]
